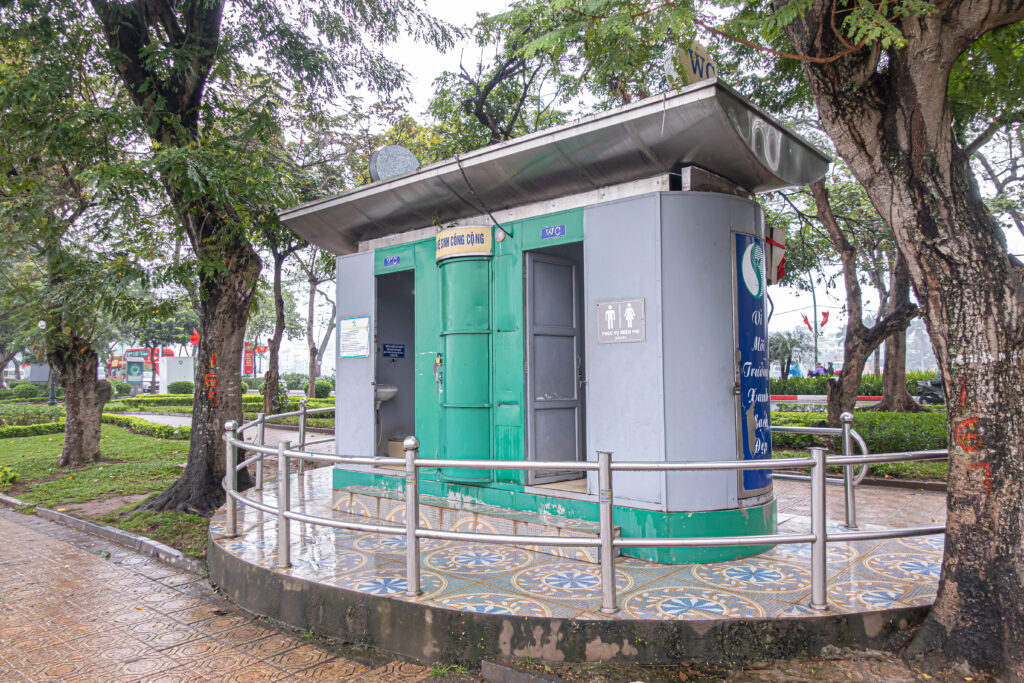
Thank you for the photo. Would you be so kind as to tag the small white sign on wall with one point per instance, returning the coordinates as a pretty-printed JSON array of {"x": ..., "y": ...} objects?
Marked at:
[
  {"x": 621, "y": 321},
  {"x": 354, "y": 337}
]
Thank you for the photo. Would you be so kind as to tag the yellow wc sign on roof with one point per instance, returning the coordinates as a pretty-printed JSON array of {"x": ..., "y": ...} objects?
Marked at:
[{"x": 463, "y": 241}]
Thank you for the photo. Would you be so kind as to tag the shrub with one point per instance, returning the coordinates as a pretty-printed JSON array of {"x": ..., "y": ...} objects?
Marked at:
[
  {"x": 882, "y": 432},
  {"x": 323, "y": 388},
  {"x": 20, "y": 414},
  {"x": 7, "y": 476},
  {"x": 245, "y": 387},
  {"x": 120, "y": 388},
  {"x": 37, "y": 429},
  {"x": 139, "y": 426},
  {"x": 182, "y": 387},
  {"x": 294, "y": 380},
  {"x": 26, "y": 390},
  {"x": 870, "y": 385}
]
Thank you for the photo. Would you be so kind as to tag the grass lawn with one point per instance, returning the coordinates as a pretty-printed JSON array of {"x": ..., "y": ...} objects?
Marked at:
[{"x": 131, "y": 465}]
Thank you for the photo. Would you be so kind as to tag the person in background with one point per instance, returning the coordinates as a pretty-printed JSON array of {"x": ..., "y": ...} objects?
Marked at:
[
  {"x": 795, "y": 371},
  {"x": 818, "y": 371},
  {"x": 830, "y": 369}
]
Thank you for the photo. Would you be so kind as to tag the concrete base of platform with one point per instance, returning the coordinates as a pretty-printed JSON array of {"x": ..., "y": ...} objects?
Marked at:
[{"x": 426, "y": 632}]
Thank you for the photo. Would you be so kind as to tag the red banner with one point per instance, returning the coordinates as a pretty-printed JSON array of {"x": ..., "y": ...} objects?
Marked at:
[{"x": 247, "y": 361}]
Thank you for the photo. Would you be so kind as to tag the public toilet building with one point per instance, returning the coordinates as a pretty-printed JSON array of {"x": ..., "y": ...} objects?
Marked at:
[{"x": 599, "y": 286}]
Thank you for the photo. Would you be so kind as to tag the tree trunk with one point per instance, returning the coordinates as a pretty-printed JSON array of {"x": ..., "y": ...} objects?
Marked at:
[
  {"x": 311, "y": 340},
  {"x": 860, "y": 340},
  {"x": 17, "y": 370},
  {"x": 5, "y": 359},
  {"x": 226, "y": 292},
  {"x": 84, "y": 398},
  {"x": 332, "y": 322},
  {"x": 154, "y": 359},
  {"x": 893, "y": 126},
  {"x": 895, "y": 397},
  {"x": 273, "y": 374}
]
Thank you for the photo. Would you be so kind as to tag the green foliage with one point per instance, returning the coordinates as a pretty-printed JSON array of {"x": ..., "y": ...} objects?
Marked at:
[
  {"x": 870, "y": 385},
  {"x": 32, "y": 429},
  {"x": 323, "y": 388},
  {"x": 7, "y": 476},
  {"x": 181, "y": 530},
  {"x": 120, "y": 388},
  {"x": 137, "y": 425},
  {"x": 882, "y": 432},
  {"x": 27, "y": 390},
  {"x": 182, "y": 387},
  {"x": 295, "y": 380},
  {"x": 16, "y": 414},
  {"x": 140, "y": 464},
  {"x": 245, "y": 387}
]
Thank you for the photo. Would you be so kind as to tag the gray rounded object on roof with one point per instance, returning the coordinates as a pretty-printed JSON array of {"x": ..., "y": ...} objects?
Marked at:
[{"x": 390, "y": 161}]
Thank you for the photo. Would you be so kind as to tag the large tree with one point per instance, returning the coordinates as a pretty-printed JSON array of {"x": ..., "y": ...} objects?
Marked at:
[
  {"x": 880, "y": 76},
  {"x": 178, "y": 61}
]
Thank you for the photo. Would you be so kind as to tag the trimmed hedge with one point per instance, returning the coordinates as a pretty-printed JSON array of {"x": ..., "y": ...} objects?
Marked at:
[
  {"x": 120, "y": 388},
  {"x": 138, "y": 425},
  {"x": 37, "y": 429},
  {"x": 183, "y": 387},
  {"x": 870, "y": 385},
  {"x": 22, "y": 414},
  {"x": 882, "y": 432}
]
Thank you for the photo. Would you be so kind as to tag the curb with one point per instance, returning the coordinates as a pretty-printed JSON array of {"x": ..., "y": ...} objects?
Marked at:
[{"x": 141, "y": 544}]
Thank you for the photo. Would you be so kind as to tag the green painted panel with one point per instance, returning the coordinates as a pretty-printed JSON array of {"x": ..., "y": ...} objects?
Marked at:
[
  {"x": 396, "y": 258},
  {"x": 466, "y": 349},
  {"x": 550, "y": 230},
  {"x": 634, "y": 522}
]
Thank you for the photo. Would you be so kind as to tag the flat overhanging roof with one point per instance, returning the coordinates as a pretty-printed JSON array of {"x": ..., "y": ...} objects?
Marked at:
[{"x": 706, "y": 124}]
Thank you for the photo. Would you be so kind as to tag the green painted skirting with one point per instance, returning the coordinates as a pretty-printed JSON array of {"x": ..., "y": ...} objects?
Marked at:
[{"x": 635, "y": 522}]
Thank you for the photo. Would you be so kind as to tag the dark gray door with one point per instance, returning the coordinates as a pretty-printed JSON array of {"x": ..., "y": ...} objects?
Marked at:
[{"x": 554, "y": 365}]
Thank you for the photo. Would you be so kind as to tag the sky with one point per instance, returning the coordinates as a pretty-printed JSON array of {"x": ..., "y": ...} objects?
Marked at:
[{"x": 424, "y": 63}]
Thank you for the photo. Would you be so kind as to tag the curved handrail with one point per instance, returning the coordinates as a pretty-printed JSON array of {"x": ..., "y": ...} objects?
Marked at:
[{"x": 605, "y": 541}]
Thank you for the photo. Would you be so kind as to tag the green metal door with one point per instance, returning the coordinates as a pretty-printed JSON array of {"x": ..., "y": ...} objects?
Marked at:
[{"x": 466, "y": 354}]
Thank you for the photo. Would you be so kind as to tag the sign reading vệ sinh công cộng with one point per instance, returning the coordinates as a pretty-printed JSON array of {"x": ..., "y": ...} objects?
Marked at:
[{"x": 464, "y": 241}]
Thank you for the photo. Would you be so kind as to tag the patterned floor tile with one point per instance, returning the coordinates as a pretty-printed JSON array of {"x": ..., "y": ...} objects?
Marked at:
[
  {"x": 754, "y": 575},
  {"x": 689, "y": 603},
  {"x": 479, "y": 559}
]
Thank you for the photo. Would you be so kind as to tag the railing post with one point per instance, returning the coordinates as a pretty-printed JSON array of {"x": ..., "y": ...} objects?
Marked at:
[
  {"x": 819, "y": 548},
  {"x": 848, "y": 487},
  {"x": 302, "y": 432},
  {"x": 412, "y": 517},
  {"x": 230, "y": 478},
  {"x": 284, "y": 537},
  {"x": 260, "y": 441},
  {"x": 604, "y": 502}
]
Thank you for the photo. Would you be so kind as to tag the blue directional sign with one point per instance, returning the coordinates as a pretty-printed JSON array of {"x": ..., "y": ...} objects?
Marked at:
[{"x": 752, "y": 335}]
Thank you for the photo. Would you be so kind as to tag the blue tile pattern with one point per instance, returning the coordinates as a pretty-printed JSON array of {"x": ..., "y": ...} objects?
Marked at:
[{"x": 502, "y": 579}]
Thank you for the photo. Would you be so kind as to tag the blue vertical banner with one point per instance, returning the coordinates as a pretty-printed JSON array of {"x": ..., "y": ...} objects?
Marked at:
[{"x": 752, "y": 336}]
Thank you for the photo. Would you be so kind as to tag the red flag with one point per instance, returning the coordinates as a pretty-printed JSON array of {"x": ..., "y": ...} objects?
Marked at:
[
  {"x": 824, "y": 318},
  {"x": 194, "y": 339},
  {"x": 807, "y": 322}
]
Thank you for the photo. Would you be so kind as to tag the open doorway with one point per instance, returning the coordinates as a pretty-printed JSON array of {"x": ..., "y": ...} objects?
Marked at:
[
  {"x": 395, "y": 362},
  {"x": 555, "y": 362}
]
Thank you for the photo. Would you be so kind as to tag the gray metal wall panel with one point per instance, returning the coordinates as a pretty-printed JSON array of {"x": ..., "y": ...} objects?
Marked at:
[
  {"x": 700, "y": 403},
  {"x": 625, "y": 413},
  {"x": 354, "y": 402}
]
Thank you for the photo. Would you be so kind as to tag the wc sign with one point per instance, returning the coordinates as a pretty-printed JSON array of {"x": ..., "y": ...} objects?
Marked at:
[{"x": 621, "y": 321}]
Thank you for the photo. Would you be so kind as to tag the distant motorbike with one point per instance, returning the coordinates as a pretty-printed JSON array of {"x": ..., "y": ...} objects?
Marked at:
[{"x": 930, "y": 392}]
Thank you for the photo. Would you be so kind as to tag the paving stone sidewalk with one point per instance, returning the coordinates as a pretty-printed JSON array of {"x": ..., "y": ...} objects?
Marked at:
[{"x": 77, "y": 608}]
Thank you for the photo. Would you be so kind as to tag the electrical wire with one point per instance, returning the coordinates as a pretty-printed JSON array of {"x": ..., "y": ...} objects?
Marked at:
[{"x": 483, "y": 207}]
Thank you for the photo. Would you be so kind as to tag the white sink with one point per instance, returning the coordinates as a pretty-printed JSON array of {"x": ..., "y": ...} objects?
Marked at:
[{"x": 385, "y": 392}]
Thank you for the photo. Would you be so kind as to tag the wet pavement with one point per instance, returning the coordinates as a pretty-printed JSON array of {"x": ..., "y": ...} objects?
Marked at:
[{"x": 77, "y": 608}]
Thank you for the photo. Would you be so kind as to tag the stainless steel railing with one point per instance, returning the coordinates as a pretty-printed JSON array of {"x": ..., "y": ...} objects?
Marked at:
[{"x": 818, "y": 537}]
